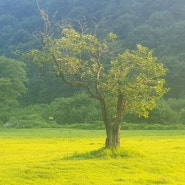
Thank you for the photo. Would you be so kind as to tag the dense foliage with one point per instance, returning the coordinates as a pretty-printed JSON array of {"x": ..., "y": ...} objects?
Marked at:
[
  {"x": 12, "y": 81},
  {"x": 159, "y": 25},
  {"x": 80, "y": 109}
]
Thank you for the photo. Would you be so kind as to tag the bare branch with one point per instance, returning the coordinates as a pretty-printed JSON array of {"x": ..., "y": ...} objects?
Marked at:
[
  {"x": 82, "y": 25},
  {"x": 45, "y": 18}
]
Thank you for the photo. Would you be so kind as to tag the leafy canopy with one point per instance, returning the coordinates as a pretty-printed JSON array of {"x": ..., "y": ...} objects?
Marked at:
[
  {"x": 83, "y": 60},
  {"x": 138, "y": 77}
]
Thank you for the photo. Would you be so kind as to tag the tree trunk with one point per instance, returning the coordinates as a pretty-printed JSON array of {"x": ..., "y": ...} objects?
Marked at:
[
  {"x": 112, "y": 129},
  {"x": 113, "y": 136}
]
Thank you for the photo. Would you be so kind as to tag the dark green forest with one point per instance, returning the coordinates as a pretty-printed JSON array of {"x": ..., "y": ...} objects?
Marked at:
[{"x": 158, "y": 25}]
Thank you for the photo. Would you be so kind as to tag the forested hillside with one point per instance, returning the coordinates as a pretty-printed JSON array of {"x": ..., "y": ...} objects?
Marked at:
[{"x": 159, "y": 25}]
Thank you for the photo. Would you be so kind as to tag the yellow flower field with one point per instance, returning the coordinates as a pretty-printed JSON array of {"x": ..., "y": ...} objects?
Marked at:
[{"x": 43, "y": 157}]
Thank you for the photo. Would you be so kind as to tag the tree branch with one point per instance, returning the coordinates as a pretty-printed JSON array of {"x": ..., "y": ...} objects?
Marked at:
[{"x": 45, "y": 18}]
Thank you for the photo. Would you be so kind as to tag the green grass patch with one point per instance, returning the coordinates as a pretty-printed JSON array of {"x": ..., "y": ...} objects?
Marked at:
[
  {"x": 99, "y": 125},
  {"x": 105, "y": 153},
  {"x": 73, "y": 133}
]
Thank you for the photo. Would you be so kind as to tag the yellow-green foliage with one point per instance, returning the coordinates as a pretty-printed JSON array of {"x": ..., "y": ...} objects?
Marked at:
[{"x": 32, "y": 157}]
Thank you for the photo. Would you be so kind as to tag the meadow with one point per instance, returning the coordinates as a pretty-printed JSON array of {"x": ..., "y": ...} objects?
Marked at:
[{"x": 65, "y": 157}]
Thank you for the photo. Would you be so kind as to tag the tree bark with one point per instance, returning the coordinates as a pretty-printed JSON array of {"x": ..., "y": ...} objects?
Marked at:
[
  {"x": 113, "y": 129},
  {"x": 113, "y": 136}
]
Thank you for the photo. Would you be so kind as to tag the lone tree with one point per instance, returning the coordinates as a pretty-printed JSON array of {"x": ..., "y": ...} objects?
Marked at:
[{"x": 130, "y": 82}]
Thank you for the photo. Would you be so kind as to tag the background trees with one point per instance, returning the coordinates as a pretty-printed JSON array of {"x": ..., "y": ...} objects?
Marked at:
[
  {"x": 158, "y": 25},
  {"x": 77, "y": 109},
  {"x": 12, "y": 80}
]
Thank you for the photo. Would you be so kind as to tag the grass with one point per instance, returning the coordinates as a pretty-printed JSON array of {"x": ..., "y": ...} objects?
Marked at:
[{"x": 77, "y": 157}]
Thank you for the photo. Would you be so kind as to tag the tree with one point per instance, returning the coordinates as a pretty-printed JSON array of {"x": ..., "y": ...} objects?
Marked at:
[
  {"x": 130, "y": 82},
  {"x": 12, "y": 80}
]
